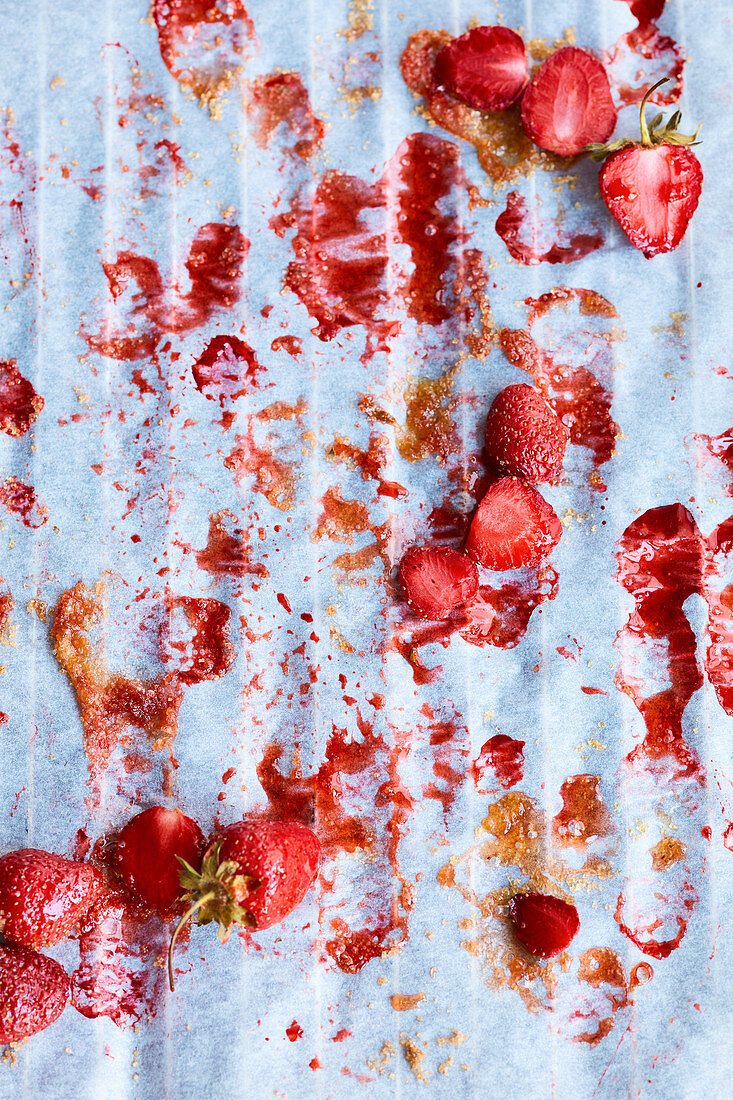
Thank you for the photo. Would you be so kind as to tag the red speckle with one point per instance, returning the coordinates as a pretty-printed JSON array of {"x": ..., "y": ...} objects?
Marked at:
[
  {"x": 228, "y": 774},
  {"x": 20, "y": 405},
  {"x": 592, "y": 690},
  {"x": 504, "y": 756},
  {"x": 532, "y": 241},
  {"x": 294, "y": 1032},
  {"x": 283, "y": 600},
  {"x": 341, "y": 1035},
  {"x": 315, "y": 1064}
]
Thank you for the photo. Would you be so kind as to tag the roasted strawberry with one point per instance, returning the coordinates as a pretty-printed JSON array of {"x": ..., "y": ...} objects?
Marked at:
[
  {"x": 252, "y": 876},
  {"x": 513, "y": 526},
  {"x": 524, "y": 436},
  {"x": 568, "y": 103},
  {"x": 43, "y": 895},
  {"x": 33, "y": 993},
  {"x": 544, "y": 924},
  {"x": 436, "y": 579},
  {"x": 652, "y": 187},
  {"x": 485, "y": 68},
  {"x": 148, "y": 847}
]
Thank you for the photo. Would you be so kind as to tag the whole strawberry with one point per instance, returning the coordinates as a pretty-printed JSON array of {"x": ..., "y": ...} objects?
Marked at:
[
  {"x": 43, "y": 895},
  {"x": 651, "y": 187},
  {"x": 252, "y": 876},
  {"x": 524, "y": 436},
  {"x": 33, "y": 993},
  {"x": 148, "y": 851}
]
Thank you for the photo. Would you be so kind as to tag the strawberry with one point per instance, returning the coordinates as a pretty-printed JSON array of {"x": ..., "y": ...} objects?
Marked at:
[
  {"x": 513, "y": 526},
  {"x": 43, "y": 895},
  {"x": 436, "y": 579},
  {"x": 33, "y": 993},
  {"x": 252, "y": 876},
  {"x": 485, "y": 68},
  {"x": 524, "y": 436},
  {"x": 652, "y": 187},
  {"x": 568, "y": 103},
  {"x": 148, "y": 847},
  {"x": 544, "y": 924}
]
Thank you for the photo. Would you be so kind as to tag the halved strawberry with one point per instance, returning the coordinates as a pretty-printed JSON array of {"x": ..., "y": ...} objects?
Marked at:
[
  {"x": 148, "y": 851},
  {"x": 436, "y": 579},
  {"x": 568, "y": 103},
  {"x": 485, "y": 68},
  {"x": 524, "y": 436},
  {"x": 652, "y": 188},
  {"x": 513, "y": 526},
  {"x": 33, "y": 993},
  {"x": 544, "y": 924},
  {"x": 43, "y": 895}
]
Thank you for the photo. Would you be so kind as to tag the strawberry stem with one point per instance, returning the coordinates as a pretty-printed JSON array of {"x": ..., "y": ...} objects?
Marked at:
[
  {"x": 183, "y": 921},
  {"x": 645, "y": 138}
]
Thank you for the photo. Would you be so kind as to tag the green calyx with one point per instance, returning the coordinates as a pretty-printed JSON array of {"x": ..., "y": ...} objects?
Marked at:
[
  {"x": 211, "y": 894},
  {"x": 656, "y": 132}
]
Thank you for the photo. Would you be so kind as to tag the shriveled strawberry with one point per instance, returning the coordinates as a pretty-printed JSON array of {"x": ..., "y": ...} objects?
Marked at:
[
  {"x": 513, "y": 526},
  {"x": 652, "y": 187},
  {"x": 147, "y": 850},
  {"x": 33, "y": 993},
  {"x": 544, "y": 924},
  {"x": 436, "y": 579},
  {"x": 524, "y": 436},
  {"x": 568, "y": 103},
  {"x": 485, "y": 68},
  {"x": 43, "y": 895},
  {"x": 252, "y": 876}
]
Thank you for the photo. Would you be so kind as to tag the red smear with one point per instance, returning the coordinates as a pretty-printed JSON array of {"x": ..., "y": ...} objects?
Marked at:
[
  {"x": 293, "y": 345},
  {"x": 280, "y": 100},
  {"x": 599, "y": 967},
  {"x": 371, "y": 462},
  {"x": 728, "y": 836},
  {"x": 203, "y": 43},
  {"x": 20, "y": 405},
  {"x": 592, "y": 691},
  {"x": 579, "y": 394},
  {"x": 584, "y": 814},
  {"x": 7, "y": 603},
  {"x": 720, "y": 447},
  {"x": 642, "y": 57},
  {"x": 502, "y": 755},
  {"x": 3, "y": 718},
  {"x": 660, "y": 558},
  {"x": 315, "y": 1064},
  {"x": 341, "y": 1035},
  {"x": 226, "y": 369},
  {"x": 273, "y": 477},
  {"x": 718, "y": 591},
  {"x": 341, "y": 519},
  {"x": 196, "y": 638},
  {"x": 351, "y": 951},
  {"x": 294, "y": 1032},
  {"x": 532, "y": 241},
  {"x": 671, "y": 913},
  {"x": 20, "y": 500},
  {"x": 228, "y": 552},
  {"x": 173, "y": 153}
]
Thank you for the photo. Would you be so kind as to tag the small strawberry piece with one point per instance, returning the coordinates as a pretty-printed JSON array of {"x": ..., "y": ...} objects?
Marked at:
[
  {"x": 544, "y": 924},
  {"x": 252, "y": 876},
  {"x": 514, "y": 526},
  {"x": 652, "y": 188},
  {"x": 436, "y": 579},
  {"x": 485, "y": 68},
  {"x": 43, "y": 895},
  {"x": 524, "y": 436},
  {"x": 147, "y": 850},
  {"x": 33, "y": 993},
  {"x": 568, "y": 103}
]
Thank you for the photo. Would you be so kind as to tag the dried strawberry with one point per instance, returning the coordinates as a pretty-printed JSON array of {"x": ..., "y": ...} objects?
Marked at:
[
  {"x": 43, "y": 895},
  {"x": 524, "y": 436},
  {"x": 252, "y": 876},
  {"x": 485, "y": 68},
  {"x": 652, "y": 187},
  {"x": 513, "y": 526},
  {"x": 148, "y": 847},
  {"x": 436, "y": 579},
  {"x": 568, "y": 103},
  {"x": 33, "y": 993},
  {"x": 544, "y": 924}
]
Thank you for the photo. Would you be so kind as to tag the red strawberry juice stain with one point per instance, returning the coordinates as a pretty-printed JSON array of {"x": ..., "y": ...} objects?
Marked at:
[
  {"x": 20, "y": 405},
  {"x": 504, "y": 151},
  {"x": 601, "y": 969},
  {"x": 372, "y": 462},
  {"x": 7, "y": 603},
  {"x": 720, "y": 449},
  {"x": 293, "y": 345},
  {"x": 592, "y": 691},
  {"x": 196, "y": 637},
  {"x": 579, "y": 392},
  {"x": 446, "y": 740},
  {"x": 203, "y": 43},
  {"x": 340, "y": 519},
  {"x": 294, "y": 1032},
  {"x": 228, "y": 551},
  {"x": 3, "y": 718},
  {"x": 584, "y": 814},
  {"x": 20, "y": 500},
  {"x": 226, "y": 369},
  {"x": 662, "y": 930},
  {"x": 279, "y": 101},
  {"x": 728, "y": 836},
  {"x": 643, "y": 56},
  {"x": 344, "y": 241},
  {"x": 718, "y": 592},
  {"x": 504, "y": 757},
  {"x": 660, "y": 564},
  {"x": 534, "y": 242},
  {"x": 272, "y": 477},
  {"x": 214, "y": 266}
]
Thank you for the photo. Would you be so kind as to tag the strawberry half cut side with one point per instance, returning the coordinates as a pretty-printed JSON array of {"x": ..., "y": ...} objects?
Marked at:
[
  {"x": 148, "y": 850},
  {"x": 568, "y": 103},
  {"x": 514, "y": 526},
  {"x": 544, "y": 924},
  {"x": 435, "y": 580},
  {"x": 486, "y": 68}
]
